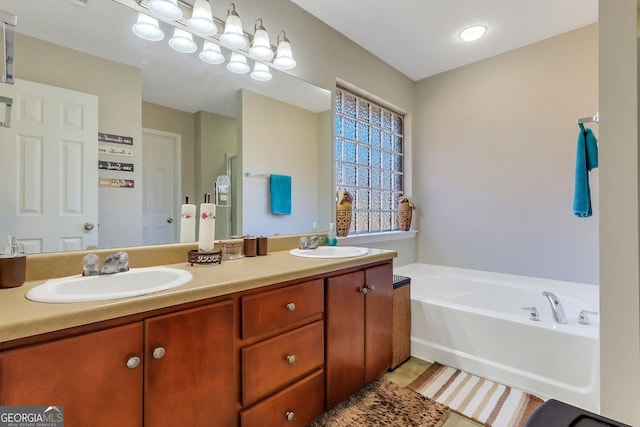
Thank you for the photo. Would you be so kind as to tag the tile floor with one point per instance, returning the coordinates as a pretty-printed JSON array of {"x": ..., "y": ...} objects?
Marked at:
[{"x": 409, "y": 371}]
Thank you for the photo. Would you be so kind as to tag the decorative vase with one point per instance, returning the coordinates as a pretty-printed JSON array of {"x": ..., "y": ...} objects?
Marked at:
[
  {"x": 343, "y": 218},
  {"x": 405, "y": 214}
]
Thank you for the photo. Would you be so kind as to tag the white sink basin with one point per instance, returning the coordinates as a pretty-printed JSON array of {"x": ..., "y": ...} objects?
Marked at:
[
  {"x": 135, "y": 282},
  {"x": 330, "y": 252}
]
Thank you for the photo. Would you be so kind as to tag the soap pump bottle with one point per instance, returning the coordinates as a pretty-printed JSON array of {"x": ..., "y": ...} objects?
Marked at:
[{"x": 332, "y": 240}]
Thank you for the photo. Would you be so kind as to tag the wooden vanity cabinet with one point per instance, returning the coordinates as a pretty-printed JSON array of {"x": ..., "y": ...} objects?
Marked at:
[
  {"x": 190, "y": 375},
  {"x": 358, "y": 330},
  {"x": 87, "y": 374},
  {"x": 282, "y": 356},
  {"x": 170, "y": 370}
]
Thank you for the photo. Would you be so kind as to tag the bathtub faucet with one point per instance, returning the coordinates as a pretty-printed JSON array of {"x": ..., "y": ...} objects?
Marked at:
[{"x": 556, "y": 308}]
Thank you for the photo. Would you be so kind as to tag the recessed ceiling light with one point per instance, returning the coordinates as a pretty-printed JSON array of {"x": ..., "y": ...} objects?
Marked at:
[{"x": 472, "y": 33}]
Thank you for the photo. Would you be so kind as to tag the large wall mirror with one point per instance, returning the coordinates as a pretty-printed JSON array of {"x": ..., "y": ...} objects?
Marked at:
[{"x": 170, "y": 124}]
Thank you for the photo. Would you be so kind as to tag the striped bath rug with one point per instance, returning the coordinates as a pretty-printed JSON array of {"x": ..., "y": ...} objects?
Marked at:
[{"x": 484, "y": 401}]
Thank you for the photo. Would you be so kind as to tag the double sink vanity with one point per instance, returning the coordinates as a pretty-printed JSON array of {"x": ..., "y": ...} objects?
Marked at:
[{"x": 263, "y": 341}]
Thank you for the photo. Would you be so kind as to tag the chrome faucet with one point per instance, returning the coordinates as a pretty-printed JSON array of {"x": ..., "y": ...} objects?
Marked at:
[
  {"x": 113, "y": 263},
  {"x": 556, "y": 308},
  {"x": 310, "y": 243}
]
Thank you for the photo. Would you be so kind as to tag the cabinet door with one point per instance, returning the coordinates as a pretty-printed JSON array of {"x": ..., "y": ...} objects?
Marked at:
[
  {"x": 190, "y": 375},
  {"x": 345, "y": 336},
  {"x": 379, "y": 322},
  {"x": 86, "y": 374}
]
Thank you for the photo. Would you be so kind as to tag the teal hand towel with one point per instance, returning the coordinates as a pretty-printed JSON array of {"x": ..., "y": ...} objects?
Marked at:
[
  {"x": 280, "y": 189},
  {"x": 586, "y": 160}
]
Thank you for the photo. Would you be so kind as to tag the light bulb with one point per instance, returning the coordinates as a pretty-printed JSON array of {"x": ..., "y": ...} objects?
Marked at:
[
  {"x": 182, "y": 41},
  {"x": 260, "y": 47},
  {"x": 211, "y": 53},
  {"x": 201, "y": 21},
  {"x": 261, "y": 72},
  {"x": 238, "y": 64},
  {"x": 284, "y": 56},
  {"x": 233, "y": 36},
  {"x": 166, "y": 9},
  {"x": 147, "y": 28}
]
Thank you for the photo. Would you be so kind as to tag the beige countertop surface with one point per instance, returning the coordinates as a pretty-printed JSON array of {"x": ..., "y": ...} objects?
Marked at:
[{"x": 20, "y": 317}]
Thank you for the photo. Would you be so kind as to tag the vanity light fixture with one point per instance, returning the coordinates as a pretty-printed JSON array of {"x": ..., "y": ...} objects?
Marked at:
[
  {"x": 238, "y": 63},
  {"x": 198, "y": 19},
  {"x": 284, "y": 56},
  {"x": 472, "y": 33},
  {"x": 211, "y": 53},
  {"x": 260, "y": 46},
  {"x": 201, "y": 21},
  {"x": 261, "y": 72},
  {"x": 147, "y": 28},
  {"x": 166, "y": 9},
  {"x": 233, "y": 36},
  {"x": 182, "y": 41}
]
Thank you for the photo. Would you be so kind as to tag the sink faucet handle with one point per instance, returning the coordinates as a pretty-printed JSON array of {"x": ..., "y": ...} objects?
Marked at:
[
  {"x": 90, "y": 265},
  {"x": 123, "y": 261},
  {"x": 583, "y": 317},
  {"x": 533, "y": 313}
]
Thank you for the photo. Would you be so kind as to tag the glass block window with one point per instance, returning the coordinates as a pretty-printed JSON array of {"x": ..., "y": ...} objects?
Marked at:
[{"x": 369, "y": 160}]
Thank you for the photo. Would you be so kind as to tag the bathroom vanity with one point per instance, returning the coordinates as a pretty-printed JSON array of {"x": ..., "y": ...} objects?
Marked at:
[{"x": 263, "y": 341}]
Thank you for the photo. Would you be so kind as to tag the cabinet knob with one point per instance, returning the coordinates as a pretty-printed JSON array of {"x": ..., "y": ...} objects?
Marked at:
[
  {"x": 290, "y": 416},
  {"x": 363, "y": 290},
  {"x": 159, "y": 352},
  {"x": 133, "y": 362},
  {"x": 291, "y": 359},
  {"x": 291, "y": 306},
  {"x": 371, "y": 288}
]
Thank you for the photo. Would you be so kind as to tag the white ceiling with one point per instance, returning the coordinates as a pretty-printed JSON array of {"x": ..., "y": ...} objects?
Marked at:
[{"x": 420, "y": 37}]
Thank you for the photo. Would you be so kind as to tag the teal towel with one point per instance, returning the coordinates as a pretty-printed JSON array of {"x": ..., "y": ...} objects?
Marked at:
[
  {"x": 280, "y": 188},
  {"x": 586, "y": 159}
]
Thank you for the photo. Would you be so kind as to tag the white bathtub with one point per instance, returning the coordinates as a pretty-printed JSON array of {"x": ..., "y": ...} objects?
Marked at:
[{"x": 474, "y": 321}]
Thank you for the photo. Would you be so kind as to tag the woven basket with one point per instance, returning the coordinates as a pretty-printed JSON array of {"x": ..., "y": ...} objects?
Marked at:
[
  {"x": 343, "y": 218},
  {"x": 405, "y": 214}
]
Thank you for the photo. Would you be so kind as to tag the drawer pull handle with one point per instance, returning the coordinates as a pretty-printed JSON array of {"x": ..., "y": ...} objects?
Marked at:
[
  {"x": 291, "y": 306},
  {"x": 290, "y": 416},
  {"x": 159, "y": 353},
  {"x": 133, "y": 362},
  {"x": 291, "y": 359}
]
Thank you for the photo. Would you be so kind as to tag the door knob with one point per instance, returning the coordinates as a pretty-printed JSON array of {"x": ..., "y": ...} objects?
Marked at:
[
  {"x": 170, "y": 220},
  {"x": 88, "y": 226}
]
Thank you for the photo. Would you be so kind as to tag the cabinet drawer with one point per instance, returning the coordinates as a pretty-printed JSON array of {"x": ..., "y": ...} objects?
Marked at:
[
  {"x": 273, "y": 363},
  {"x": 271, "y": 310},
  {"x": 303, "y": 401}
]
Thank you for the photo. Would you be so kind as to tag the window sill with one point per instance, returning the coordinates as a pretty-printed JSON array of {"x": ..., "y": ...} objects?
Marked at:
[{"x": 385, "y": 236}]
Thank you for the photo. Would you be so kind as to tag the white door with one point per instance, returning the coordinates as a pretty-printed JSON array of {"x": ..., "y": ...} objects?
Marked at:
[
  {"x": 160, "y": 186},
  {"x": 49, "y": 168}
]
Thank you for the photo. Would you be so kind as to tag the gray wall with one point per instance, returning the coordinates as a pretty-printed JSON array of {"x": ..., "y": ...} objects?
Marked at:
[{"x": 494, "y": 161}]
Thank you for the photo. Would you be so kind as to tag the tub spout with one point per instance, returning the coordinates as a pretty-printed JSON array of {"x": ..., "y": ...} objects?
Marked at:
[{"x": 556, "y": 308}]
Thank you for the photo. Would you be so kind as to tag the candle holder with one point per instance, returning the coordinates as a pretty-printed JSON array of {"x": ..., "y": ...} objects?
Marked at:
[{"x": 204, "y": 258}]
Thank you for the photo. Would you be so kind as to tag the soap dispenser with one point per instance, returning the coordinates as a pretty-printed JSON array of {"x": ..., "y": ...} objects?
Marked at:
[
  {"x": 332, "y": 240},
  {"x": 13, "y": 265}
]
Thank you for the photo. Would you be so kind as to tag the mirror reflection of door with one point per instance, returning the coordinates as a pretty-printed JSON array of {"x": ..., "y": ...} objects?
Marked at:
[
  {"x": 160, "y": 180},
  {"x": 50, "y": 161}
]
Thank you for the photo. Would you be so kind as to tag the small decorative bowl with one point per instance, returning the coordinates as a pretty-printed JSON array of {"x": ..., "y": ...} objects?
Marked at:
[{"x": 204, "y": 258}]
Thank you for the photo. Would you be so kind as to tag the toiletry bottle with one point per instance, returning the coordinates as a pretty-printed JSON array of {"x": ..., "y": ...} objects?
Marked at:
[{"x": 332, "y": 240}]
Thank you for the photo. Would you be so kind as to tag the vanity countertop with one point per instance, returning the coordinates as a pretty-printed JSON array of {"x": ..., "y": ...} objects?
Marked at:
[{"x": 20, "y": 317}]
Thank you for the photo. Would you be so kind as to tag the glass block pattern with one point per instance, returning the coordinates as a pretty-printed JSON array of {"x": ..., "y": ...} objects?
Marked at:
[{"x": 369, "y": 160}]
